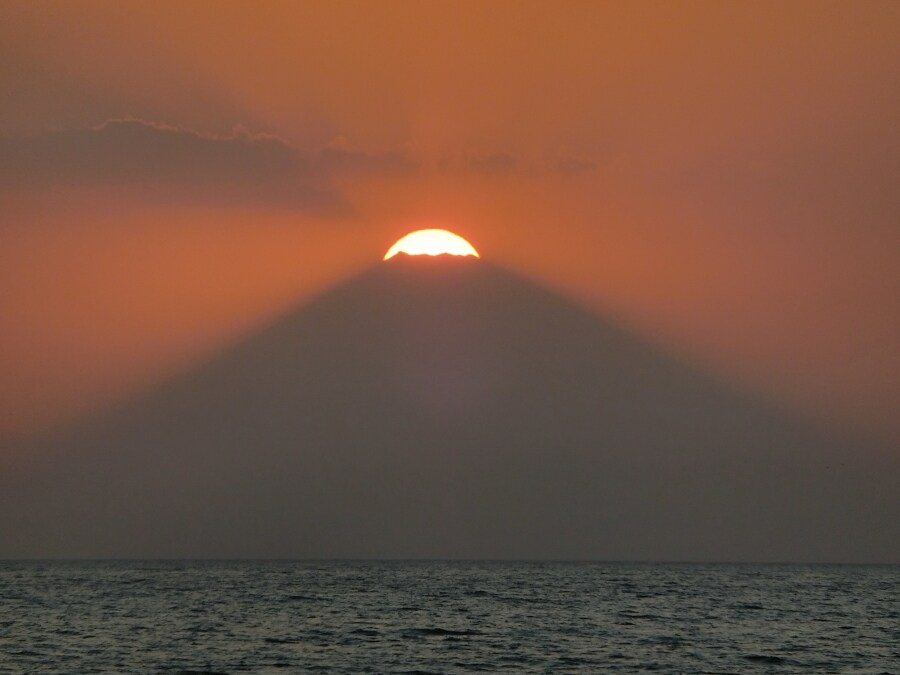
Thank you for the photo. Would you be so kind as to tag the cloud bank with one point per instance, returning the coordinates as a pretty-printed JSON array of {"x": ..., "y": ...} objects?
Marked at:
[{"x": 177, "y": 163}]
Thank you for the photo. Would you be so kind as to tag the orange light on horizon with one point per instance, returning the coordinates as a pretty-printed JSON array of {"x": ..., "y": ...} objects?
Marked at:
[{"x": 431, "y": 242}]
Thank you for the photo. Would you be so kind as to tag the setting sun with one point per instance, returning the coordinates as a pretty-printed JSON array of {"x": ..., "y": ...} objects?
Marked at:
[{"x": 431, "y": 242}]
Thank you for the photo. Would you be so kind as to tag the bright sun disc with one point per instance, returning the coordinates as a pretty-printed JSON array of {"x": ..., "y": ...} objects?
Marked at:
[{"x": 431, "y": 242}]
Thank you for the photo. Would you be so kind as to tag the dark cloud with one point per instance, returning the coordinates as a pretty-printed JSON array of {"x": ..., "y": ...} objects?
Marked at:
[
  {"x": 175, "y": 164},
  {"x": 182, "y": 164},
  {"x": 121, "y": 152}
]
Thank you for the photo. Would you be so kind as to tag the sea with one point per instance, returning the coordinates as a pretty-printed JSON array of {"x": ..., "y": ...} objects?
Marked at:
[{"x": 446, "y": 617}]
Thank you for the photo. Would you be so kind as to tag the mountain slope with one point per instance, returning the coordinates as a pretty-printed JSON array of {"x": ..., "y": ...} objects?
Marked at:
[{"x": 446, "y": 408}]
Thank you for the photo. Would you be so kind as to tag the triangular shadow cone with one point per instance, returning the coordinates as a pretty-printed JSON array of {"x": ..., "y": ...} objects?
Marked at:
[{"x": 442, "y": 407}]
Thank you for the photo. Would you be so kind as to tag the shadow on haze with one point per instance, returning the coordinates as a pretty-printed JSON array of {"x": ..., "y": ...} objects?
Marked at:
[{"x": 445, "y": 408}]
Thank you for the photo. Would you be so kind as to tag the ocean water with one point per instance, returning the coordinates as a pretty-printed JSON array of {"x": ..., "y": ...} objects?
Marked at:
[{"x": 446, "y": 617}]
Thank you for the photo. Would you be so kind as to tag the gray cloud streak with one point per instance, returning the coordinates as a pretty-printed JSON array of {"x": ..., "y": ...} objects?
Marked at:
[{"x": 177, "y": 163}]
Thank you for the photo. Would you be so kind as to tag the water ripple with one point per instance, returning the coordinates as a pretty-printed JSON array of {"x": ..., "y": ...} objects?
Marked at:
[{"x": 446, "y": 617}]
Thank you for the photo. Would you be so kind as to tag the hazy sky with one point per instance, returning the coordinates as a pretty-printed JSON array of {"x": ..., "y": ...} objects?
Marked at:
[{"x": 721, "y": 176}]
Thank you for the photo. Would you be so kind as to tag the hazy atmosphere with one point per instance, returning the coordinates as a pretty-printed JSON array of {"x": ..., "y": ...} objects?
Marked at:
[
  {"x": 409, "y": 336},
  {"x": 680, "y": 340},
  {"x": 719, "y": 176}
]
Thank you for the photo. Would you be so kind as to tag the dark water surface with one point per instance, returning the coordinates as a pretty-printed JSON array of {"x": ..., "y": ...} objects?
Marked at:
[{"x": 446, "y": 617}]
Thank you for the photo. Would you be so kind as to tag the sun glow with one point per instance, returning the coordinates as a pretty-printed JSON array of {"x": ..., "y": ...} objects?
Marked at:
[{"x": 431, "y": 242}]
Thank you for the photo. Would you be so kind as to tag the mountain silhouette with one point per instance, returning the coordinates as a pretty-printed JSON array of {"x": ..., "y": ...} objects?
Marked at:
[{"x": 445, "y": 408}]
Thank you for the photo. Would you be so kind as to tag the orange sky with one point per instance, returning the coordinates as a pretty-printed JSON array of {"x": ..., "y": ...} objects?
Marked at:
[{"x": 721, "y": 176}]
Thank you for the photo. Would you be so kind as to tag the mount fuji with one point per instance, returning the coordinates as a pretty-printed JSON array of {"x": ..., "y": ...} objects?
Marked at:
[{"x": 442, "y": 407}]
